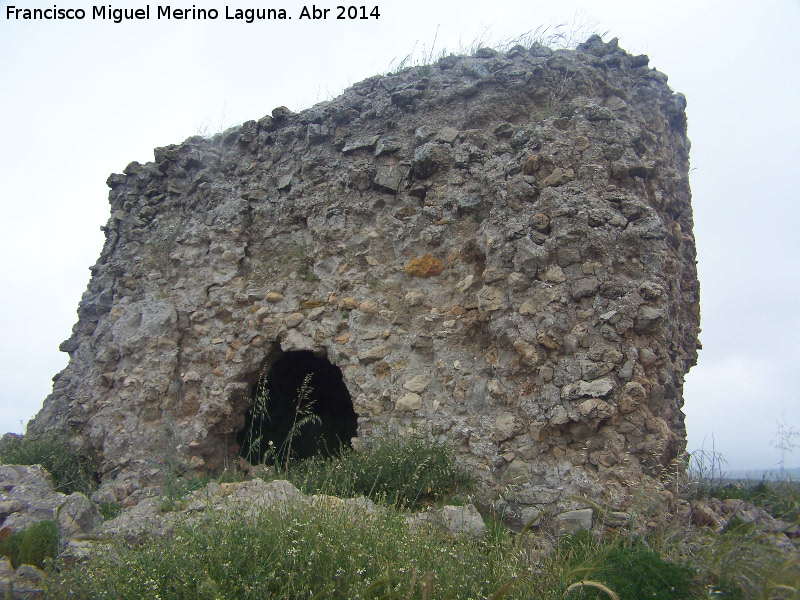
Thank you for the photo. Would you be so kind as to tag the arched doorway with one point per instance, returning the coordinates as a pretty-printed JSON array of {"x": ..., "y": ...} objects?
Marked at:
[{"x": 301, "y": 408}]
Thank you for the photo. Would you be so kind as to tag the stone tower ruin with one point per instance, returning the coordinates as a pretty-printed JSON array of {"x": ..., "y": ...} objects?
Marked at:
[{"x": 494, "y": 250}]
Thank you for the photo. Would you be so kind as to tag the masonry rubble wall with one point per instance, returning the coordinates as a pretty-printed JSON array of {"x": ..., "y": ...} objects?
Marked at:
[{"x": 495, "y": 249}]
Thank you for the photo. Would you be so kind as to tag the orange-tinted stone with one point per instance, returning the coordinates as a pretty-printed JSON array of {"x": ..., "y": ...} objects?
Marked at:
[{"x": 424, "y": 266}]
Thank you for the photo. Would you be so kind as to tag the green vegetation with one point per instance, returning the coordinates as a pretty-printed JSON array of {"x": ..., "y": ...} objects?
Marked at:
[
  {"x": 742, "y": 562},
  {"x": 109, "y": 510},
  {"x": 397, "y": 472},
  {"x": 550, "y": 108},
  {"x": 307, "y": 552},
  {"x": 781, "y": 499},
  {"x": 31, "y": 546},
  {"x": 321, "y": 551},
  {"x": 327, "y": 550},
  {"x": 71, "y": 471},
  {"x": 157, "y": 250},
  {"x": 630, "y": 571},
  {"x": 257, "y": 451},
  {"x": 707, "y": 479}
]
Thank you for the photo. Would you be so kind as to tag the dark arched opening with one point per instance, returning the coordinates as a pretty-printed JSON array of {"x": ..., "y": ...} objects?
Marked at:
[{"x": 301, "y": 408}]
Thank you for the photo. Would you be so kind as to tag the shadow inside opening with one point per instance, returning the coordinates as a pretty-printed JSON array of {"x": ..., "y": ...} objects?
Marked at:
[{"x": 302, "y": 408}]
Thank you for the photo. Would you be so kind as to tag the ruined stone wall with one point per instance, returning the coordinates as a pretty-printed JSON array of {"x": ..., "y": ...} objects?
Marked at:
[{"x": 494, "y": 249}]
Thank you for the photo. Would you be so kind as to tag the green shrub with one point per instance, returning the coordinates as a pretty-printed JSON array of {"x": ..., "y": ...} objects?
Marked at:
[
  {"x": 32, "y": 545},
  {"x": 630, "y": 571},
  {"x": 637, "y": 573},
  {"x": 10, "y": 546},
  {"x": 71, "y": 471},
  {"x": 109, "y": 510},
  {"x": 398, "y": 472}
]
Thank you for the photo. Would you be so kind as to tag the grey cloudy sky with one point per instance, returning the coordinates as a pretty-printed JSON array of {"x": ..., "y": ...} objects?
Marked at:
[{"x": 81, "y": 99}]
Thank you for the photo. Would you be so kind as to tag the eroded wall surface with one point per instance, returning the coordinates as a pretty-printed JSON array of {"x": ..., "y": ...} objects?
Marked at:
[{"x": 496, "y": 249}]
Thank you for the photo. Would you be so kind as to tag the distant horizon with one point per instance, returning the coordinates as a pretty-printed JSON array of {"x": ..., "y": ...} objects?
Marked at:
[{"x": 792, "y": 474}]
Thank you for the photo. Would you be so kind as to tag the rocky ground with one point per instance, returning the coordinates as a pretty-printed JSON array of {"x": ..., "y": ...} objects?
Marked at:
[{"x": 27, "y": 497}]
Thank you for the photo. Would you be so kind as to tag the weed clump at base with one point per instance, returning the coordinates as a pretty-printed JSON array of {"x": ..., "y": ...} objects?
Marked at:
[
  {"x": 629, "y": 570},
  {"x": 398, "y": 472},
  {"x": 32, "y": 545},
  {"x": 71, "y": 472}
]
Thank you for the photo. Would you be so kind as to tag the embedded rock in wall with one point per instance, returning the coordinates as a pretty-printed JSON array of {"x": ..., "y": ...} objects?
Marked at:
[{"x": 494, "y": 249}]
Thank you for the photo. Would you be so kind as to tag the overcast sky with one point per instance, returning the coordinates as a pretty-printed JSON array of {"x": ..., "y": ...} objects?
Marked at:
[{"x": 81, "y": 99}]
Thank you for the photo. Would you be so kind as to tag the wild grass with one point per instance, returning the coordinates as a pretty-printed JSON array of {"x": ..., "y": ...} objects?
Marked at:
[
  {"x": 320, "y": 551},
  {"x": 404, "y": 473},
  {"x": 257, "y": 451},
  {"x": 316, "y": 551},
  {"x": 401, "y": 472},
  {"x": 308, "y": 552},
  {"x": 31, "y": 546},
  {"x": 781, "y": 499},
  {"x": 625, "y": 569},
  {"x": 325, "y": 550},
  {"x": 566, "y": 35},
  {"x": 742, "y": 562},
  {"x": 71, "y": 471},
  {"x": 705, "y": 471},
  {"x": 706, "y": 478}
]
